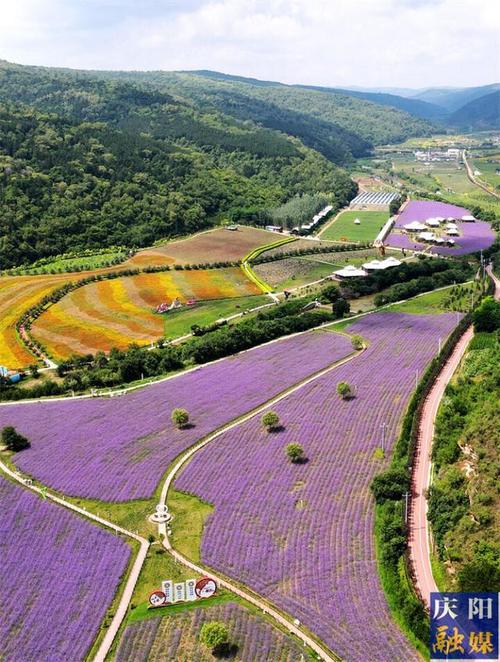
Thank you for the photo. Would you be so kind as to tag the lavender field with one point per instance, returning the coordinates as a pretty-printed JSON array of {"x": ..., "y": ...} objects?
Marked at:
[
  {"x": 175, "y": 638},
  {"x": 117, "y": 449},
  {"x": 302, "y": 535},
  {"x": 473, "y": 236},
  {"x": 58, "y": 575},
  {"x": 421, "y": 210}
]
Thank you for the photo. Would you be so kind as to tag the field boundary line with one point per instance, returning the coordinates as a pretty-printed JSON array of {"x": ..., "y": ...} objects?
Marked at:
[
  {"x": 135, "y": 568},
  {"x": 246, "y": 593}
]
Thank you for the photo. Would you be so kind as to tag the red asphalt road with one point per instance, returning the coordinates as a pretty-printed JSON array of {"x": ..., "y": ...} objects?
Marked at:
[{"x": 419, "y": 530}]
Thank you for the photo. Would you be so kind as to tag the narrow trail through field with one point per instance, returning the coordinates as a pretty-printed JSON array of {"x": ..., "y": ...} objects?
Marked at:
[
  {"x": 419, "y": 534},
  {"x": 245, "y": 593}
]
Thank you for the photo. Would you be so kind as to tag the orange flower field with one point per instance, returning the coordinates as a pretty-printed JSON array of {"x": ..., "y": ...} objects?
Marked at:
[
  {"x": 17, "y": 294},
  {"x": 115, "y": 313},
  {"x": 118, "y": 312}
]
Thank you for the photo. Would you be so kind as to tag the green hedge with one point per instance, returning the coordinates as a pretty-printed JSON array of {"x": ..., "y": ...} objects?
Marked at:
[{"x": 390, "y": 526}]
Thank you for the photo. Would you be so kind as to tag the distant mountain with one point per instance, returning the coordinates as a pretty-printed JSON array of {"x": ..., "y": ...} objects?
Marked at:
[
  {"x": 479, "y": 114},
  {"x": 422, "y": 109},
  {"x": 454, "y": 98}
]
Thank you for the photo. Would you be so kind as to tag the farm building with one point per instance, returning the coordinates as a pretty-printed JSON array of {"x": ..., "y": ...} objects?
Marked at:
[{"x": 378, "y": 200}]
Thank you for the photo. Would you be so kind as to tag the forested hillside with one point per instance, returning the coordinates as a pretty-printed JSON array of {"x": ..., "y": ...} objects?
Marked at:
[
  {"x": 90, "y": 163},
  {"x": 94, "y": 159},
  {"x": 479, "y": 114}
]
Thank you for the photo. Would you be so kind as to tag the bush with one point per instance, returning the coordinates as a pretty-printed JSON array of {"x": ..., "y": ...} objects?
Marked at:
[
  {"x": 340, "y": 308},
  {"x": 270, "y": 421},
  {"x": 214, "y": 634},
  {"x": 295, "y": 453},
  {"x": 14, "y": 441},
  {"x": 180, "y": 418},
  {"x": 344, "y": 390}
]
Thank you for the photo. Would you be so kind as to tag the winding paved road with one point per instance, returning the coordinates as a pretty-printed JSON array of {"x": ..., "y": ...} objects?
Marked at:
[{"x": 419, "y": 535}]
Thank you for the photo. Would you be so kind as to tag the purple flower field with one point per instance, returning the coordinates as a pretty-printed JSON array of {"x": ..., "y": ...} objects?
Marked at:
[
  {"x": 175, "y": 637},
  {"x": 405, "y": 241},
  {"x": 117, "y": 449},
  {"x": 58, "y": 575},
  {"x": 421, "y": 210},
  {"x": 302, "y": 535},
  {"x": 473, "y": 236}
]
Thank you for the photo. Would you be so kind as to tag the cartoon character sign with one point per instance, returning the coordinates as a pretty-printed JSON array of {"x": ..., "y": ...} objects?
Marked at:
[
  {"x": 157, "y": 599},
  {"x": 205, "y": 587}
]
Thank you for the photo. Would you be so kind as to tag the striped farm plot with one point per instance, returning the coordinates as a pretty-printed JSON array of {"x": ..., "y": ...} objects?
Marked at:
[
  {"x": 218, "y": 245},
  {"x": 115, "y": 313},
  {"x": 17, "y": 294}
]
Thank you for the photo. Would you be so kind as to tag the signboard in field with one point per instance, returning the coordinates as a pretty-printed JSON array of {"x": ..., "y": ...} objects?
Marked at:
[{"x": 186, "y": 591}]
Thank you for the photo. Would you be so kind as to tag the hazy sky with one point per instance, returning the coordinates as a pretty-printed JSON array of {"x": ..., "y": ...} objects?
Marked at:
[{"x": 409, "y": 43}]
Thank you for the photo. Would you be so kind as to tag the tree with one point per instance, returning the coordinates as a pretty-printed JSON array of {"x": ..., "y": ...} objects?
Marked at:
[
  {"x": 270, "y": 421},
  {"x": 295, "y": 453},
  {"x": 487, "y": 316},
  {"x": 330, "y": 293},
  {"x": 14, "y": 441},
  {"x": 340, "y": 308},
  {"x": 180, "y": 418},
  {"x": 344, "y": 390},
  {"x": 357, "y": 342},
  {"x": 390, "y": 484},
  {"x": 215, "y": 635},
  {"x": 479, "y": 575}
]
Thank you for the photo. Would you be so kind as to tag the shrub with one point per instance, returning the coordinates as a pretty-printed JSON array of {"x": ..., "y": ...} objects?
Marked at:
[
  {"x": 270, "y": 421},
  {"x": 180, "y": 418},
  {"x": 357, "y": 342},
  {"x": 344, "y": 390},
  {"x": 295, "y": 453},
  {"x": 214, "y": 634}
]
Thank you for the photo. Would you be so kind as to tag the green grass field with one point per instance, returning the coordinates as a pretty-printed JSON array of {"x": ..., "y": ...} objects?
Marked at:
[
  {"x": 344, "y": 228},
  {"x": 179, "y": 322},
  {"x": 452, "y": 298}
]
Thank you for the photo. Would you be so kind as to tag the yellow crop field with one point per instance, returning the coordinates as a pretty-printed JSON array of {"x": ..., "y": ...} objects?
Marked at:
[
  {"x": 17, "y": 294},
  {"x": 115, "y": 313}
]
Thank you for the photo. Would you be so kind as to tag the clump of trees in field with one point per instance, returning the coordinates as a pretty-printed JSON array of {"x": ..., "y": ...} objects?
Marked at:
[
  {"x": 13, "y": 441},
  {"x": 295, "y": 453},
  {"x": 271, "y": 421}
]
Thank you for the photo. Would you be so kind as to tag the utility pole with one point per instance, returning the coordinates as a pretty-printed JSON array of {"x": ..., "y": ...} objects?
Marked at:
[
  {"x": 439, "y": 345},
  {"x": 406, "y": 496},
  {"x": 416, "y": 378}
]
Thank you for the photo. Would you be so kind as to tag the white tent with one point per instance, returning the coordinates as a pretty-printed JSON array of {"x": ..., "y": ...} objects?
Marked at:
[
  {"x": 439, "y": 240},
  {"x": 415, "y": 226},
  {"x": 427, "y": 236},
  {"x": 468, "y": 218},
  {"x": 452, "y": 232},
  {"x": 432, "y": 222},
  {"x": 357, "y": 221},
  {"x": 440, "y": 219},
  {"x": 391, "y": 262},
  {"x": 451, "y": 218},
  {"x": 451, "y": 242},
  {"x": 451, "y": 226},
  {"x": 373, "y": 265},
  {"x": 350, "y": 272}
]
